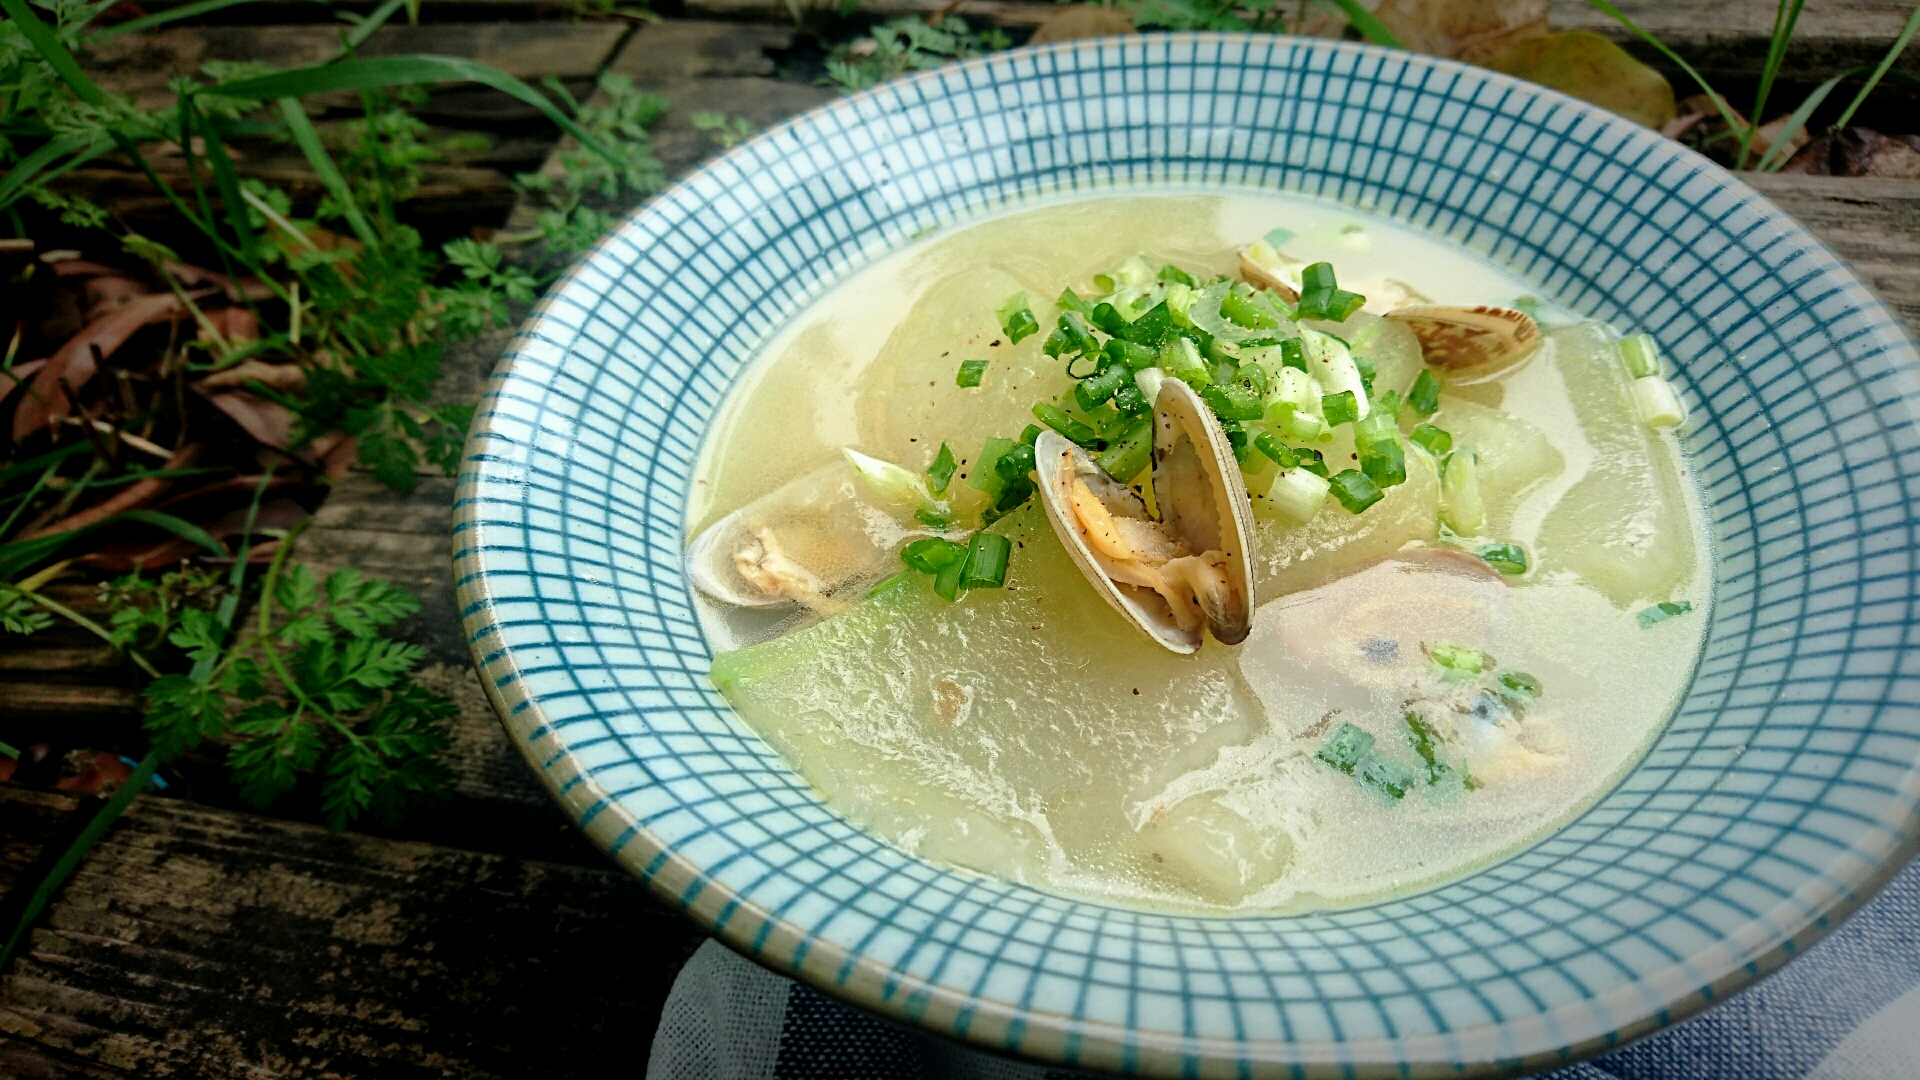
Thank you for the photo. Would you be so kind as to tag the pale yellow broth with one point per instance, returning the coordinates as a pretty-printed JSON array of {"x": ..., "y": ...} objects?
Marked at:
[{"x": 1030, "y": 733}]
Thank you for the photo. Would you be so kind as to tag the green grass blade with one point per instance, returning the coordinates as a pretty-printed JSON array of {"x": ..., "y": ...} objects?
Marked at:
[
  {"x": 1370, "y": 28},
  {"x": 1777, "y": 154},
  {"x": 180, "y": 527},
  {"x": 148, "y": 22},
  {"x": 1899, "y": 46},
  {"x": 1719, "y": 103},
  {"x": 1786, "y": 15},
  {"x": 374, "y": 21},
  {"x": 400, "y": 70},
  {"x": 228, "y": 181},
  {"x": 28, "y": 167},
  {"x": 47, "y": 43},
  {"x": 309, "y": 141}
]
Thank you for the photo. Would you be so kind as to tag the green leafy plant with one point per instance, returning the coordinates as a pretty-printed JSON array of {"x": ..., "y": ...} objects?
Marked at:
[
  {"x": 907, "y": 44},
  {"x": 726, "y": 131}
]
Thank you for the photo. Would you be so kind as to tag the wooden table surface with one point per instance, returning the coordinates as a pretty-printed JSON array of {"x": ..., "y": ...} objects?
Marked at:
[{"x": 476, "y": 942}]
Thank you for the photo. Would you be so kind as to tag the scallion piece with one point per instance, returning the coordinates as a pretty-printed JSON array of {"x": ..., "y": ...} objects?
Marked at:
[
  {"x": 1433, "y": 440},
  {"x": 1661, "y": 612},
  {"x": 970, "y": 372},
  {"x": 940, "y": 473},
  {"x": 1298, "y": 493},
  {"x": 1016, "y": 318},
  {"x": 1058, "y": 420},
  {"x": 1291, "y": 355},
  {"x": 931, "y": 554},
  {"x": 1107, "y": 318},
  {"x": 947, "y": 581},
  {"x": 1244, "y": 312},
  {"x": 1426, "y": 743},
  {"x": 1425, "y": 395},
  {"x": 1639, "y": 355},
  {"x": 1175, "y": 275},
  {"x": 1012, "y": 497},
  {"x": 1094, "y": 391},
  {"x": 1237, "y": 439},
  {"x": 1333, "y": 305},
  {"x": 1340, "y": 408},
  {"x": 1516, "y": 685},
  {"x": 1282, "y": 454},
  {"x": 1384, "y": 462},
  {"x": 1253, "y": 377},
  {"x": 1132, "y": 354},
  {"x": 985, "y": 475},
  {"x": 1345, "y": 748},
  {"x": 1126, "y": 456},
  {"x": 1461, "y": 505},
  {"x": 1071, "y": 302},
  {"x": 1015, "y": 463},
  {"x": 1074, "y": 330},
  {"x": 1233, "y": 401},
  {"x": 1355, "y": 490},
  {"x": 1385, "y": 776},
  {"x": 1318, "y": 276},
  {"x": 1152, "y": 329},
  {"x": 1367, "y": 371},
  {"x": 1029, "y": 433},
  {"x": 1506, "y": 558},
  {"x": 1181, "y": 359},
  {"x": 1657, "y": 403},
  {"x": 932, "y": 518},
  {"x": 1457, "y": 662},
  {"x": 986, "y": 562},
  {"x": 1130, "y": 401}
]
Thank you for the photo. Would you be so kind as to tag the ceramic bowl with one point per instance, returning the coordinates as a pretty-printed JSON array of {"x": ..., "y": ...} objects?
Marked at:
[{"x": 1782, "y": 794}]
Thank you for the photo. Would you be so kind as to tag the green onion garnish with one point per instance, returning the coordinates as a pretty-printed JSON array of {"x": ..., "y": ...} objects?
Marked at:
[
  {"x": 1237, "y": 439},
  {"x": 1253, "y": 377},
  {"x": 947, "y": 581},
  {"x": 1234, "y": 401},
  {"x": 931, "y": 518},
  {"x": 1016, "y": 318},
  {"x": 1107, "y": 317},
  {"x": 1126, "y": 456},
  {"x": 1029, "y": 433},
  {"x": 1506, "y": 558},
  {"x": 1153, "y": 328},
  {"x": 1340, "y": 408},
  {"x": 970, "y": 372},
  {"x": 1291, "y": 355},
  {"x": 1014, "y": 463},
  {"x": 940, "y": 473},
  {"x": 1639, "y": 355},
  {"x": 1426, "y": 743},
  {"x": 1174, "y": 274},
  {"x": 1318, "y": 276},
  {"x": 1385, "y": 776},
  {"x": 1355, "y": 490},
  {"x": 1298, "y": 492},
  {"x": 1244, "y": 312},
  {"x": 985, "y": 475},
  {"x": 1073, "y": 430},
  {"x": 1516, "y": 685},
  {"x": 1386, "y": 465},
  {"x": 1182, "y": 361},
  {"x": 1130, "y": 400},
  {"x": 1094, "y": 391},
  {"x": 1282, "y": 454},
  {"x": 931, "y": 554},
  {"x": 1345, "y": 747},
  {"x": 1334, "y": 305},
  {"x": 1071, "y": 335},
  {"x": 1431, "y": 439},
  {"x": 1366, "y": 369},
  {"x": 1137, "y": 357},
  {"x": 1425, "y": 395},
  {"x": 1661, "y": 612},
  {"x": 1016, "y": 493},
  {"x": 1458, "y": 662},
  {"x": 1072, "y": 302},
  {"x": 986, "y": 562}
]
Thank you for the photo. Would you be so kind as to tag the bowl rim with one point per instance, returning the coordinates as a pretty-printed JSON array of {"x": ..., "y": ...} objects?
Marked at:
[{"x": 765, "y": 937}]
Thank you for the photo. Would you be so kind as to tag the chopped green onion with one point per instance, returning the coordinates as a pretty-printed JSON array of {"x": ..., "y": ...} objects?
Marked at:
[
  {"x": 1657, "y": 403},
  {"x": 1012, "y": 497},
  {"x": 1175, "y": 275},
  {"x": 1014, "y": 463},
  {"x": 970, "y": 372},
  {"x": 1461, "y": 506},
  {"x": 1367, "y": 371},
  {"x": 1426, "y": 743},
  {"x": 940, "y": 473},
  {"x": 1016, "y": 318},
  {"x": 1244, "y": 312},
  {"x": 1433, "y": 440},
  {"x": 932, "y": 518},
  {"x": 1355, "y": 490},
  {"x": 1385, "y": 776},
  {"x": 1291, "y": 356},
  {"x": 1425, "y": 395},
  {"x": 1094, "y": 391},
  {"x": 931, "y": 554},
  {"x": 1253, "y": 377},
  {"x": 1130, "y": 401},
  {"x": 1073, "y": 335},
  {"x": 986, "y": 562},
  {"x": 1152, "y": 329},
  {"x": 1233, "y": 401},
  {"x": 1318, "y": 276},
  {"x": 1277, "y": 236},
  {"x": 1180, "y": 359},
  {"x": 985, "y": 475},
  {"x": 1126, "y": 456},
  {"x": 1058, "y": 420},
  {"x": 1029, "y": 433},
  {"x": 1237, "y": 439},
  {"x": 1297, "y": 492},
  {"x": 1340, "y": 408},
  {"x": 1331, "y": 364},
  {"x": 1506, "y": 558},
  {"x": 1281, "y": 453},
  {"x": 1661, "y": 612},
  {"x": 1107, "y": 318},
  {"x": 1345, "y": 748},
  {"x": 1458, "y": 662},
  {"x": 1384, "y": 462},
  {"x": 1516, "y": 685},
  {"x": 1134, "y": 355},
  {"x": 1639, "y": 355},
  {"x": 1071, "y": 302},
  {"x": 1377, "y": 427},
  {"x": 947, "y": 581},
  {"x": 1333, "y": 305}
]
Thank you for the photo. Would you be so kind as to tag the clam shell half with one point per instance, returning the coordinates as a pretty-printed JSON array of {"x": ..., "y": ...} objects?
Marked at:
[
  {"x": 1468, "y": 344},
  {"x": 1202, "y": 501}
]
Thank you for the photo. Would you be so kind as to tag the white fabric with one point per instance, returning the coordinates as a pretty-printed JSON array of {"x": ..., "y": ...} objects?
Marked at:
[{"x": 721, "y": 1021}]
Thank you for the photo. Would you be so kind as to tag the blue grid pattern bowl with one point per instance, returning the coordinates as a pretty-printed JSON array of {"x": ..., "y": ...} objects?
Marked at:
[{"x": 1783, "y": 793}]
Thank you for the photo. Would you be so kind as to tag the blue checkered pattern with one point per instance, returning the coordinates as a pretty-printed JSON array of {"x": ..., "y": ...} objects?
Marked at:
[{"x": 1782, "y": 794}]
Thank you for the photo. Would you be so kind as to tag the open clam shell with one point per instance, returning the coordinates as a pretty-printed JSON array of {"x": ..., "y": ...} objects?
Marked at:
[
  {"x": 1265, "y": 277},
  {"x": 1468, "y": 344},
  {"x": 1187, "y": 573}
]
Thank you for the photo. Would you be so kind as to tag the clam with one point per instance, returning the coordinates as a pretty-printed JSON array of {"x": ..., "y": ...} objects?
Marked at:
[
  {"x": 1176, "y": 577},
  {"x": 1266, "y": 275},
  {"x": 1469, "y": 344},
  {"x": 808, "y": 543}
]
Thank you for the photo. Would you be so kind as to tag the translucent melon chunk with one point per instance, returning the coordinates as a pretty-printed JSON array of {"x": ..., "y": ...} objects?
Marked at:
[{"x": 1016, "y": 732}]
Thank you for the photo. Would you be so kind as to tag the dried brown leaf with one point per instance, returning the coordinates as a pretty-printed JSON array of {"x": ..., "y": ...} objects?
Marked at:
[
  {"x": 1082, "y": 21},
  {"x": 1470, "y": 30},
  {"x": 1593, "y": 69},
  {"x": 74, "y": 363}
]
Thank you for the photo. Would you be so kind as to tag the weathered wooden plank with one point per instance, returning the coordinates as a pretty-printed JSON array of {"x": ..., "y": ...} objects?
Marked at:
[
  {"x": 23, "y": 1059},
  {"x": 1729, "y": 39},
  {"x": 220, "y": 944},
  {"x": 139, "y": 65}
]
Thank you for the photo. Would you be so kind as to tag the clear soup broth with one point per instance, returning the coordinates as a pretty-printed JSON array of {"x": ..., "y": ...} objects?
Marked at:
[{"x": 1400, "y": 715}]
